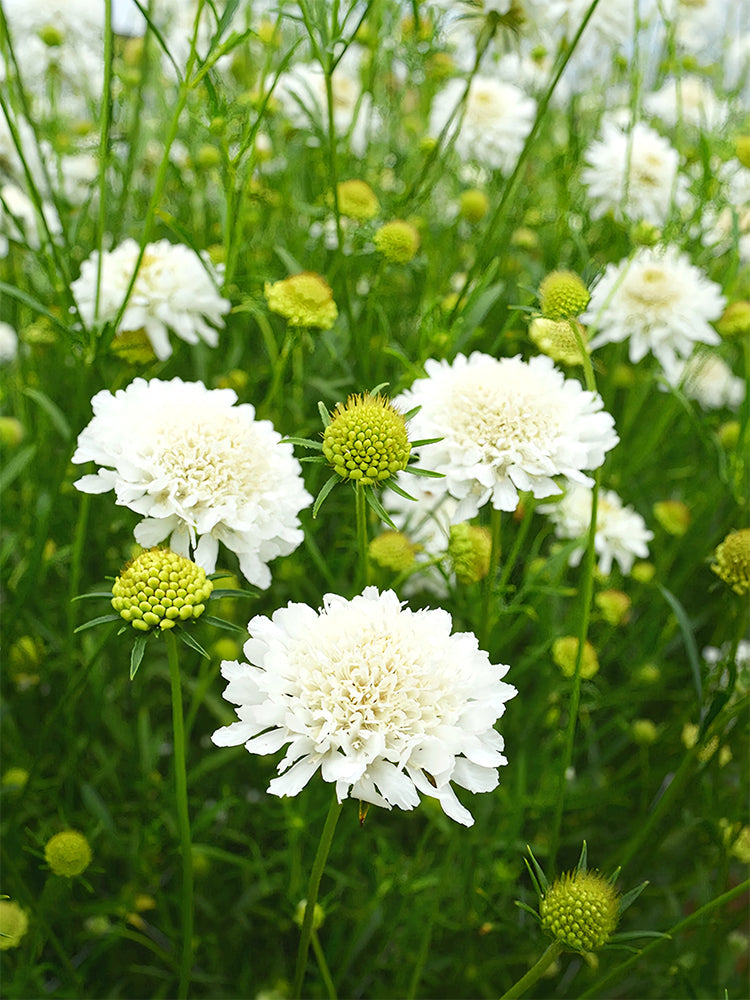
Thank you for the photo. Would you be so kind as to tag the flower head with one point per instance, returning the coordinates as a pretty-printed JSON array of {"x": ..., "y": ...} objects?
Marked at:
[
  {"x": 398, "y": 241},
  {"x": 505, "y": 425},
  {"x": 393, "y": 550},
  {"x": 562, "y": 294},
  {"x": 735, "y": 320},
  {"x": 357, "y": 200},
  {"x": 474, "y": 204},
  {"x": 160, "y": 588},
  {"x": 174, "y": 289},
  {"x": 303, "y": 299},
  {"x": 14, "y": 923},
  {"x": 384, "y": 701},
  {"x": 469, "y": 551},
  {"x": 366, "y": 440},
  {"x": 580, "y": 909},
  {"x": 556, "y": 339},
  {"x": 732, "y": 561},
  {"x": 708, "y": 379},
  {"x": 565, "y": 654},
  {"x": 659, "y": 302},
  {"x": 199, "y": 469},
  {"x": 68, "y": 853},
  {"x": 621, "y": 533}
]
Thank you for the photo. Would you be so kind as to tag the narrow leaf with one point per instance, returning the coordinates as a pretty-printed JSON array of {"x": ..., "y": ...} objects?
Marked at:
[
  {"x": 191, "y": 641},
  {"x": 303, "y": 442},
  {"x": 688, "y": 638},
  {"x": 325, "y": 490},
  {"x": 95, "y": 593},
  {"x": 418, "y": 444},
  {"x": 227, "y": 592},
  {"x": 376, "y": 390},
  {"x": 324, "y": 414},
  {"x": 97, "y": 621},
  {"x": 630, "y": 897},
  {"x": 416, "y": 471},
  {"x": 16, "y": 465},
  {"x": 136, "y": 655},
  {"x": 583, "y": 860},
  {"x": 390, "y": 485},
  {"x": 221, "y": 623},
  {"x": 539, "y": 874},
  {"x": 377, "y": 506}
]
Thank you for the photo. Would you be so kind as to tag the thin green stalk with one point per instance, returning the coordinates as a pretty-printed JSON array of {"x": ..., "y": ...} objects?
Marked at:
[
  {"x": 324, "y": 847},
  {"x": 496, "y": 521},
  {"x": 539, "y": 967},
  {"x": 364, "y": 554},
  {"x": 105, "y": 123},
  {"x": 323, "y": 966},
  {"x": 520, "y": 540},
  {"x": 183, "y": 817}
]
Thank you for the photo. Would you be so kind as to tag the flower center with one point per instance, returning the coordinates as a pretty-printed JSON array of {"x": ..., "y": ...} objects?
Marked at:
[{"x": 650, "y": 287}]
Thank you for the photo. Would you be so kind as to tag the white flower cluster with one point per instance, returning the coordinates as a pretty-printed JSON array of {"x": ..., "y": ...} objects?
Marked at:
[{"x": 384, "y": 701}]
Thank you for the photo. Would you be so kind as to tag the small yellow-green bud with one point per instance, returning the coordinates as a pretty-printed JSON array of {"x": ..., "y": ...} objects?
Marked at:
[
  {"x": 556, "y": 339},
  {"x": 645, "y": 234},
  {"x": 525, "y": 238},
  {"x": 398, "y": 241},
  {"x": 357, "y": 200},
  {"x": 729, "y": 434},
  {"x": 644, "y": 732},
  {"x": 689, "y": 738},
  {"x": 474, "y": 205},
  {"x": 160, "y": 588},
  {"x": 643, "y": 572},
  {"x": 740, "y": 849},
  {"x": 648, "y": 673},
  {"x": 614, "y": 605},
  {"x": 392, "y": 550},
  {"x": 226, "y": 648},
  {"x": 11, "y": 432},
  {"x": 580, "y": 909},
  {"x": 304, "y": 300},
  {"x": 68, "y": 853},
  {"x": 133, "y": 347},
  {"x": 673, "y": 516},
  {"x": 732, "y": 561},
  {"x": 15, "y": 779},
  {"x": 236, "y": 379},
  {"x": 25, "y": 653},
  {"x": 565, "y": 652},
  {"x": 208, "y": 156},
  {"x": 735, "y": 320},
  {"x": 318, "y": 915},
  {"x": 51, "y": 35},
  {"x": 14, "y": 923},
  {"x": 366, "y": 440},
  {"x": 562, "y": 294},
  {"x": 742, "y": 149},
  {"x": 469, "y": 551}
]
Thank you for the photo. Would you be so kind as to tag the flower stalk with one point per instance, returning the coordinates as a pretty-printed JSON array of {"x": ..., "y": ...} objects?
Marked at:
[{"x": 535, "y": 972}]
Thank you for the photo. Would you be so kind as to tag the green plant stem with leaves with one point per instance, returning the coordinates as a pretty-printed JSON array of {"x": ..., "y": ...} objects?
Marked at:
[
  {"x": 538, "y": 969},
  {"x": 362, "y": 546},
  {"x": 183, "y": 816}
]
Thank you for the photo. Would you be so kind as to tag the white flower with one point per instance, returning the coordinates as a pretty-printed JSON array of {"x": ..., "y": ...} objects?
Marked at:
[
  {"x": 690, "y": 100},
  {"x": 383, "y": 700},
  {"x": 621, "y": 532},
  {"x": 708, "y": 379},
  {"x": 200, "y": 469},
  {"x": 506, "y": 425},
  {"x": 20, "y": 222},
  {"x": 174, "y": 289},
  {"x": 494, "y": 124},
  {"x": 659, "y": 301},
  {"x": 8, "y": 343},
  {"x": 633, "y": 175}
]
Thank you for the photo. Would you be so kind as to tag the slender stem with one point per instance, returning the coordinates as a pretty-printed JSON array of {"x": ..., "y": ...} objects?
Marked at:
[
  {"x": 364, "y": 556},
  {"x": 326, "y": 839},
  {"x": 489, "y": 583},
  {"x": 540, "y": 966},
  {"x": 105, "y": 122},
  {"x": 183, "y": 817},
  {"x": 323, "y": 965}
]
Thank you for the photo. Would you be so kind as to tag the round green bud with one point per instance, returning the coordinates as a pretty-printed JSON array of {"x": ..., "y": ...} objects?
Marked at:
[
  {"x": 68, "y": 853},
  {"x": 398, "y": 241},
  {"x": 565, "y": 653},
  {"x": 580, "y": 909},
  {"x": 474, "y": 205},
  {"x": 357, "y": 200},
  {"x": 673, "y": 516},
  {"x": 614, "y": 605},
  {"x": 562, "y": 294},
  {"x": 318, "y": 914},
  {"x": 469, "y": 550},
  {"x": 732, "y": 561},
  {"x": 557, "y": 340},
  {"x": 13, "y": 924},
  {"x": 742, "y": 149},
  {"x": 366, "y": 440},
  {"x": 735, "y": 320},
  {"x": 304, "y": 300},
  {"x": 11, "y": 432},
  {"x": 160, "y": 588},
  {"x": 644, "y": 732},
  {"x": 15, "y": 779},
  {"x": 392, "y": 550}
]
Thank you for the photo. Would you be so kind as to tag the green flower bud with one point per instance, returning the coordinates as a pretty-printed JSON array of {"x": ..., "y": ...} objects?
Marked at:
[
  {"x": 68, "y": 853},
  {"x": 357, "y": 200},
  {"x": 392, "y": 550},
  {"x": 318, "y": 914},
  {"x": 732, "y": 561},
  {"x": 160, "y": 588},
  {"x": 562, "y": 294},
  {"x": 398, "y": 241},
  {"x": 565, "y": 652},
  {"x": 580, "y": 909},
  {"x": 304, "y": 300},
  {"x": 644, "y": 732},
  {"x": 556, "y": 339},
  {"x": 469, "y": 550},
  {"x": 13, "y": 924},
  {"x": 474, "y": 205},
  {"x": 673, "y": 516},
  {"x": 366, "y": 440}
]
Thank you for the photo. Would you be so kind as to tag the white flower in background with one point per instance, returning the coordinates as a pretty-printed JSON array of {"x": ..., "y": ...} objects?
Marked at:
[
  {"x": 199, "y": 469},
  {"x": 726, "y": 224},
  {"x": 633, "y": 175},
  {"x": 20, "y": 222},
  {"x": 175, "y": 289},
  {"x": 708, "y": 379},
  {"x": 505, "y": 425},
  {"x": 690, "y": 100},
  {"x": 8, "y": 343},
  {"x": 621, "y": 533},
  {"x": 384, "y": 701},
  {"x": 494, "y": 124},
  {"x": 659, "y": 302}
]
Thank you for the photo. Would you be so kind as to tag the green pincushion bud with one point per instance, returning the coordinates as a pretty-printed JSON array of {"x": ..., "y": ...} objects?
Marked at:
[
  {"x": 732, "y": 561},
  {"x": 14, "y": 923},
  {"x": 398, "y": 241},
  {"x": 160, "y": 588},
  {"x": 562, "y": 294},
  {"x": 366, "y": 440},
  {"x": 469, "y": 550},
  {"x": 393, "y": 550},
  {"x": 735, "y": 320},
  {"x": 68, "y": 853},
  {"x": 581, "y": 910}
]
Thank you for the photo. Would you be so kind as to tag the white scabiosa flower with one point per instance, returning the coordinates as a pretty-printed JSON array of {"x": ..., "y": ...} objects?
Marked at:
[
  {"x": 633, "y": 175},
  {"x": 505, "y": 425},
  {"x": 199, "y": 469},
  {"x": 8, "y": 343},
  {"x": 621, "y": 532},
  {"x": 690, "y": 100},
  {"x": 658, "y": 301},
  {"x": 708, "y": 379},
  {"x": 175, "y": 289},
  {"x": 384, "y": 701},
  {"x": 494, "y": 124}
]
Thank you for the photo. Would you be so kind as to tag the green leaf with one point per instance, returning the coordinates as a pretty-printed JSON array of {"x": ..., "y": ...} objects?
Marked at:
[
  {"x": 688, "y": 638},
  {"x": 97, "y": 621},
  {"x": 630, "y": 897},
  {"x": 376, "y": 390},
  {"x": 217, "y": 595},
  {"x": 529, "y": 909},
  {"x": 377, "y": 506},
  {"x": 325, "y": 416},
  {"x": 136, "y": 654},
  {"x": 412, "y": 413},
  {"x": 16, "y": 465},
  {"x": 303, "y": 442},
  {"x": 537, "y": 875},
  {"x": 583, "y": 859},
  {"x": 423, "y": 441},
  {"x": 390, "y": 485},
  {"x": 222, "y": 623},
  {"x": 325, "y": 490},
  {"x": 292, "y": 265},
  {"x": 95, "y": 593},
  {"x": 33, "y": 303},
  {"x": 192, "y": 642},
  {"x": 416, "y": 471}
]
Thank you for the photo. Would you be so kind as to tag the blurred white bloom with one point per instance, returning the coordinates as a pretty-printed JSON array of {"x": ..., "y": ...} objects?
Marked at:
[
  {"x": 8, "y": 343},
  {"x": 494, "y": 125},
  {"x": 621, "y": 532},
  {"x": 708, "y": 379},
  {"x": 658, "y": 301},
  {"x": 175, "y": 289},
  {"x": 726, "y": 224},
  {"x": 200, "y": 469},
  {"x": 383, "y": 700},
  {"x": 20, "y": 222},
  {"x": 690, "y": 100},
  {"x": 633, "y": 175},
  {"x": 505, "y": 425}
]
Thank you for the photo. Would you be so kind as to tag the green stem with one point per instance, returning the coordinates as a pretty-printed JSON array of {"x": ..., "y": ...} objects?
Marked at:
[
  {"x": 364, "y": 555},
  {"x": 541, "y": 966},
  {"x": 326, "y": 839},
  {"x": 323, "y": 966},
  {"x": 489, "y": 582},
  {"x": 183, "y": 817}
]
